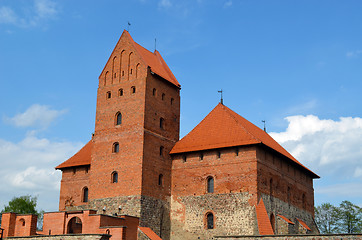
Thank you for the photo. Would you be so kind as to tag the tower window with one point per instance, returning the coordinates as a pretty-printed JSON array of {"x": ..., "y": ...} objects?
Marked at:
[
  {"x": 210, "y": 184},
  {"x": 118, "y": 118},
  {"x": 108, "y": 95},
  {"x": 162, "y": 123},
  {"x": 184, "y": 158},
  {"x": 85, "y": 195},
  {"x": 161, "y": 151},
  {"x": 160, "y": 180},
  {"x": 154, "y": 92},
  {"x": 201, "y": 156},
  {"x": 120, "y": 92},
  {"x": 115, "y": 75},
  {"x": 237, "y": 151},
  {"x": 133, "y": 89},
  {"x": 172, "y": 101},
  {"x": 218, "y": 154},
  {"x": 116, "y": 147},
  {"x": 131, "y": 71},
  {"x": 163, "y": 96},
  {"x": 114, "y": 177},
  {"x": 122, "y": 73},
  {"x": 209, "y": 221}
]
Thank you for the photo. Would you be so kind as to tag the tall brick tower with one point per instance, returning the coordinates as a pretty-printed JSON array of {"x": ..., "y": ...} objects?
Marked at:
[{"x": 137, "y": 124}]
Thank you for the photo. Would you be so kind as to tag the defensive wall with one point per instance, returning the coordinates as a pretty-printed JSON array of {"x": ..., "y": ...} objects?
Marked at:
[{"x": 294, "y": 237}]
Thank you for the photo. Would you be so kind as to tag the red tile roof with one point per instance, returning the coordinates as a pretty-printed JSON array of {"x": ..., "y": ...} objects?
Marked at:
[
  {"x": 303, "y": 224},
  {"x": 264, "y": 225},
  {"x": 149, "y": 233},
  {"x": 81, "y": 158},
  {"x": 153, "y": 60},
  {"x": 286, "y": 219},
  {"x": 222, "y": 128}
]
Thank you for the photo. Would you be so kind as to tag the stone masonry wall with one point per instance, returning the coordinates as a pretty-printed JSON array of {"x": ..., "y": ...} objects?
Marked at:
[
  {"x": 294, "y": 237},
  {"x": 65, "y": 237}
]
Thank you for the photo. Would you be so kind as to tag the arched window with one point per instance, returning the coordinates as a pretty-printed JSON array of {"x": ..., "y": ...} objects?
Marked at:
[
  {"x": 22, "y": 222},
  {"x": 106, "y": 79},
  {"x": 163, "y": 96},
  {"x": 120, "y": 92},
  {"x": 210, "y": 184},
  {"x": 116, "y": 147},
  {"x": 108, "y": 95},
  {"x": 161, "y": 151},
  {"x": 114, "y": 177},
  {"x": 85, "y": 195},
  {"x": 209, "y": 220},
  {"x": 272, "y": 221},
  {"x": 154, "y": 92},
  {"x": 137, "y": 70},
  {"x": 162, "y": 123},
  {"x": 118, "y": 118},
  {"x": 160, "y": 180},
  {"x": 133, "y": 89}
]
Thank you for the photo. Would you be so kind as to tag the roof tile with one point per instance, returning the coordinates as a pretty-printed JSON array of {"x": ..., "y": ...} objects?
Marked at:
[
  {"x": 149, "y": 233},
  {"x": 264, "y": 225},
  {"x": 303, "y": 224},
  {"x": 285, "y": 219},
  {"x": 81, "y": 158}
]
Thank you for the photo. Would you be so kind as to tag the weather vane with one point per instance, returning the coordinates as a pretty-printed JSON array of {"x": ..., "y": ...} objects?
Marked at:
[
  {"x": 221, "y": 99},
  {"x": 263, "y": 121},
  {"x": 129, "y": 24}
]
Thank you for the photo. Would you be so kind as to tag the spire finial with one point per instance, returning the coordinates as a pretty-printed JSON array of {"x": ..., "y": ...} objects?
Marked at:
[
  {"x": 129, "y": 24},
  {"x": 263, "y": 121},
  {"x": 221, "y": 99},
  {"x": 155, "y": 44}
]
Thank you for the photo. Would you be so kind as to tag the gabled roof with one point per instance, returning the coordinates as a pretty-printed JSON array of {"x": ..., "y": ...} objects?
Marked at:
[
  {"x": 264, "y": 225},
  {"x": 81, "y": 158},
  {"x": 223, "y": 128},
  {"x": 153, "y": 60}
]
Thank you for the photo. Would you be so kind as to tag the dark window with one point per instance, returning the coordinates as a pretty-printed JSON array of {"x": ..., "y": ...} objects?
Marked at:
[
  {"x": 163, "y": 96},
  {"x": 109, "y": 95},
  {"x": 120, "y": 92},
  {"x": 218, "y": 154},
  {"x": 184, "y": 158},
  {"x": 272, "y": 221},
  {"x": 210, "y": 184},
  {"x": 237, "y": 151},
  {"x": 209, "y": 221},
  {"x": 162, "y": 123},
  {"x": 161, "y": 150},
  {"x": 122, "y": 73},
  {"x": 172, "y": 101},
  {"x": 74, "y": 171},
  {"x": 114, "y": 177},
  {"x": 133, "y": 89},
  {"x": 154, "y": 92},
  {"x": 115, "y": 75},
  {"x": 118, "y": 118},
  {"x": 86, "y": 169},
  {"x": 116, "y": 147},
  {"x": 160, "y": 180},
  {"x": 131, "y": 71},
  {"x": 201, "y": 156},
  {"x": 85, "y": 194}
]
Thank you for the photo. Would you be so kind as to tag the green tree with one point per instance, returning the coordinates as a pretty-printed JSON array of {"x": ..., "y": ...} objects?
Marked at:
[
  {"x": 350, "y": 218},
  {"x": 326, "y": 217},
  {"x": 22, "y": 205}
]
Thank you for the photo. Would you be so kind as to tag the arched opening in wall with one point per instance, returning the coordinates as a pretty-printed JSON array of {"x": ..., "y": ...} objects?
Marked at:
[
  {"x": 108, "y": 95},
  {"x": 114, "y": 177},
  {"x": 133, "y": 89},
  {"x": 74, "y": 226},
  {"x": 304, "y": 201},
  {"x": 106, "y": 78},
  {"x": 162, "y": 123},
  {"x": 120, "y": 62},
  {"x": 137, "y": 70},
  {"x": 118, "y": 118},
  {"x": 22, "y": 222},
  {"x": 120, "y": 92},
  {"x": 115, "y": 147},
  {"x": 272, "y": 221},
  {"x": 160, "y": 180},
  {"x": 130, "y": 56},
  {"x": 114, "y": 75},
  {"x": 209, "y": 220},
  {"x": 161, "y": 151},
  {"x": 271, "y": 189},
  {"x": 154, "y": 92},
  {"x": 210, "y": 184},
  {"x": 85, "y": 194}
]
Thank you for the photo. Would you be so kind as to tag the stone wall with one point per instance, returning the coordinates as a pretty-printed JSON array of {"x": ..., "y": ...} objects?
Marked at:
[
  {"x": 294, "y": 237},
  {"x": 65, "y": 237}
]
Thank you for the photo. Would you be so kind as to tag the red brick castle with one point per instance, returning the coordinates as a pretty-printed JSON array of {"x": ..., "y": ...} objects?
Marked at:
[{"x": 135, "y": 178}]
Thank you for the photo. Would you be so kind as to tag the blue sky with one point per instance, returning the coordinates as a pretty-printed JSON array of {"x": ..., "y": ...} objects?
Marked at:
[{"x": 295, "y": 64}]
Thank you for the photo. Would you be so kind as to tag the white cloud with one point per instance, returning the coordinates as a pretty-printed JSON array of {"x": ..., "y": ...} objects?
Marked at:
[
  {"x": 352, "y": 54},
  {"x": 36, "y": 115},
  {"x": 32, "y": 15},
  {"x": 347, "y": 190},
  {"x": 228, "y": 3},
  {"x": 324, "y": 145},
  {"x": 27, "y": 167},
  {"x": 165, "y": 3}
]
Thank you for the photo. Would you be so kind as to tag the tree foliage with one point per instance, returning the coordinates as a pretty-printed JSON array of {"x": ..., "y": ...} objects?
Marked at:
[
  {"x": 346, "y": 218},
  {"x": 22, "y": 205}
]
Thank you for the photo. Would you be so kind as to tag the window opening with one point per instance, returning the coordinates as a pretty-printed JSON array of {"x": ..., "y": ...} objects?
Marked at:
[
  {"x": 218, "y": 154},
  {"x": 160, "y": 180},
  {"x": 161, "y": 150},
  {"x": 209, "y": 221},
  {"x": 114, "y": 177},
  {"x": 210, "y": 184},
  {"x": 120, "y": 92},
  {"x": 122, "y": 73},
  {"x": 116, "y": 147},
  {"x": 154, "y": 92},
  {"x": 115, "y": 75},
  {"x": 85, "y": 194},
  {"x": 201, "y": 156},
  {"x": 237, "y": 151},
  {"x": 184, "y": 158},
  {"x": 133, "y": 89},
  {"x": 109, "y": 95},
  {"x": 162, "y": 123},
  {"x": 118, "y": 118}
]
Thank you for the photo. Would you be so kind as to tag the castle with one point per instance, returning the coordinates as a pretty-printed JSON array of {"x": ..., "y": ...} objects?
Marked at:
[{"x": 225, "y": 177}]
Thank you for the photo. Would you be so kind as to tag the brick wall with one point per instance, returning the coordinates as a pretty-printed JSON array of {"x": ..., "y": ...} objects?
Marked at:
[
  {"x": 294, "y": 237},
  {"x": 66, "y": 237}
]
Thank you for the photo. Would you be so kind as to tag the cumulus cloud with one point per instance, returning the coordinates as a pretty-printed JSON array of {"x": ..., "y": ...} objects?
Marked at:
[
  {"x": 31, "y": 16},
  {"x": 36, "y": 115},
  {"x": 326, "y": 146},
  {"x": 27, "y": 167}
]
